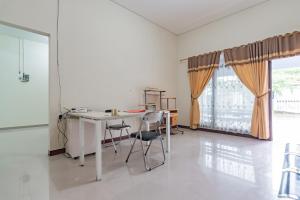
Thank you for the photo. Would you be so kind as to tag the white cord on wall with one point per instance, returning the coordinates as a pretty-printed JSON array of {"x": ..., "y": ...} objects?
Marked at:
[
  {"x": 62, "y": 119},
  {"x": 23, "y": 56},
  {"x": 57, "y": 54},
  {"x": 19, "y": 56}
]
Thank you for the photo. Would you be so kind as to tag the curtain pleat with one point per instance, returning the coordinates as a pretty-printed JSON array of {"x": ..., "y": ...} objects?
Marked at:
[
  {"x": 198, "y": 80},
  {"x": 255, "y": 77},
  {"x": 200, "y": 69},
  {"x": 250, "y": 64},
  {"x": 204, "y": 61},
  {"x": 275, "y": 47}
]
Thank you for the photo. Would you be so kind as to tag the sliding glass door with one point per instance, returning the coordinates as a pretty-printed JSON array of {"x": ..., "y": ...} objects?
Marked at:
[
  {"x": 286, "y": 99},
  {"x": 226, "y": 104}
]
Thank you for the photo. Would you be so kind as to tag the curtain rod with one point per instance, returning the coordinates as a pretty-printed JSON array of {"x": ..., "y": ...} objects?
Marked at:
[
  {"x": 183, "y": 59},
  {"x": 282, "y": 35}
]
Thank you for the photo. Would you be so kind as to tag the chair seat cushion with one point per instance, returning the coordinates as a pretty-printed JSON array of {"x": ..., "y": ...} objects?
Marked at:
[
  {"x": 146, "y": 135},
  {"x": 118, "y": 126}
]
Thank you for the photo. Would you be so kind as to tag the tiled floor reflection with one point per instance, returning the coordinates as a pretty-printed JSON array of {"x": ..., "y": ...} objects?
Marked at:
[
  {"x": 24, "y": 164},
  {"x": 229, "y": 160},
  {"x": 202, "y": 166}
]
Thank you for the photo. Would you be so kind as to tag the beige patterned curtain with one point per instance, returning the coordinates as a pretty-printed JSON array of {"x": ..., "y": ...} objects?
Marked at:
[
  {"x": 201, "y": 69},
  {"x": 255, "y": 77},
  {"x": 250, "y": 63}
]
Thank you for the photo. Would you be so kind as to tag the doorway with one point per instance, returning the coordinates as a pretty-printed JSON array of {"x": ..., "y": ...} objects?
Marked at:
[
  {"x": 24, "y": 114},
  {"x": 286, "y": 99}
]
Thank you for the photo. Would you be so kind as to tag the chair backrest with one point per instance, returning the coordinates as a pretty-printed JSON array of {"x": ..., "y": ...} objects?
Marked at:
[{"x": 154, "y": 117}]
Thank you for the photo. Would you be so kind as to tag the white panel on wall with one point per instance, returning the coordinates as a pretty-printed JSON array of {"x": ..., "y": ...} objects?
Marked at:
[{"x": 23, "y": 103}]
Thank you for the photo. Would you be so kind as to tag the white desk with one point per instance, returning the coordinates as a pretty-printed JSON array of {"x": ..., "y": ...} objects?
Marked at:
[{"x": 96, "y": 118}]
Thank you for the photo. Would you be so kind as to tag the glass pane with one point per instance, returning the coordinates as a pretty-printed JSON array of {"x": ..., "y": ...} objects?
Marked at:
[
  {"x": 226, "y": 104},
  {"x": 286, "y": 99},
  {"x": 206, "y": 108}
]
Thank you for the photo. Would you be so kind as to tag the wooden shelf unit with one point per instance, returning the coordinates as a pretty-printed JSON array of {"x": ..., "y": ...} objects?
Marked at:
[
  {"x": 168, "y": 101},
  {"x": 154, "y": 92},
  {"x": 173, "y": 112}
]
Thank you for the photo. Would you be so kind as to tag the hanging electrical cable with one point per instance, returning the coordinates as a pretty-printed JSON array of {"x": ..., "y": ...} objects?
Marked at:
[
  {"x": 23, "y": 57},
  {"x": 23, "y": 77},
  {"x": 57, "y": 53},
  {"x": 19, "y": 57},
  {"x": 62, "y": 118}
]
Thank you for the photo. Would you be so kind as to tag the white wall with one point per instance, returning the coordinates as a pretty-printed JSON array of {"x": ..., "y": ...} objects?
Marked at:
[
  {"x": 108, "y": 54},
  {"x": 23, "y": 103},
  {"x": 271, "y": 18},
  {"x": 38, "y": 15}
]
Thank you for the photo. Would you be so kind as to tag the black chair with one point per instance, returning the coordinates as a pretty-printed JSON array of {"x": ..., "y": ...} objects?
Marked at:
[
  {"x": 153, "y": 118},
  {"x": 116, "y": 127}
]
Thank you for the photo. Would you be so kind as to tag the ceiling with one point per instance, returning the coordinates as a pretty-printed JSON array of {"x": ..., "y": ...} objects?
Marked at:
[{"x": 180, "y": 16}]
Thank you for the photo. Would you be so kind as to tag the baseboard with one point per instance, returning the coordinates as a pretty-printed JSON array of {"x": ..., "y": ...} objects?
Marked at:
[
  {"x": 183, "y": 126},
  {"x": 218, "y": 131},
  {"x": 56, "y": 152},
  {"x": 124, "y": 137},
  {"x": 22, "y": 127},
  {"x": 63, "y": 150}
]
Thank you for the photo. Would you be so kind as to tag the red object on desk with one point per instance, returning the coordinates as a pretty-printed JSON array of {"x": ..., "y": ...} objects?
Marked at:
[{"x": 135, "y": 111}]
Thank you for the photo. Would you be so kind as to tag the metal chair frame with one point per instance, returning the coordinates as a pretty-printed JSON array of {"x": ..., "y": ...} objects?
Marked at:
[
  {"x": 114, "y": 144},
  {"x": 149, "y": 118}
]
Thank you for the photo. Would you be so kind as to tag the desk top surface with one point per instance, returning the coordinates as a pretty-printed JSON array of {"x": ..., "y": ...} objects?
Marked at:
[{"x": 95, "y": 115}]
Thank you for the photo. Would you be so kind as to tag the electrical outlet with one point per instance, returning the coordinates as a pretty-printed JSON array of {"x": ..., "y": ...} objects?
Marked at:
[{"x": 24, "y": 77}]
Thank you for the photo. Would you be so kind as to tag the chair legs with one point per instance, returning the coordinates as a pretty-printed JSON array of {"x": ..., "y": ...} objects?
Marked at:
[
  {"x": 121, "y": 134},
  {"x": 163, "y": 152},
  {"x": 178, "y": 130},
  {"x": 114, "y": 144},
  {"x": 145, "y": 158},
  {"x": 162, "y": 148},
  {"x": 128, "y": 136},
  {"x": 130, "y": 150},
  {"x": 112, "y": 140},
  {"x": 148, "y": 148},
  {"x": 120, "y": 137}
]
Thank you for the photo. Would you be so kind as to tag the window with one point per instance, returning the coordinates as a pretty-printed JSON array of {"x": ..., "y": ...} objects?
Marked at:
[{"x": 226, "y": 104}]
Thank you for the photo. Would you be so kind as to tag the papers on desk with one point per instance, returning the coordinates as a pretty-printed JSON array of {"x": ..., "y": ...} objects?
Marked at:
[{"x": 135, "y": 111}]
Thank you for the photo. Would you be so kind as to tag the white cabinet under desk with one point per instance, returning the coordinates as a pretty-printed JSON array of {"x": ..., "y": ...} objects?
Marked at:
[
  {"x": 73, "y": 144},
  {"x": 87, "y": 141}
]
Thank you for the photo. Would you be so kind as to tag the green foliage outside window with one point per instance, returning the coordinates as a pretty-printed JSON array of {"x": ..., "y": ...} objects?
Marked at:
[{"x": 285, "y": 79}]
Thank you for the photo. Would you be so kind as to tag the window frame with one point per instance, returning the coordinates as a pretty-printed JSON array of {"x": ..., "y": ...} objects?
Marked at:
[{"x": 212, "y": 130}]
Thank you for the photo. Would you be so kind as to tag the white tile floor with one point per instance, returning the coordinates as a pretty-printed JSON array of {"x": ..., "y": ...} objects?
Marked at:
[
  {"x": 24, "y": 164},
  {"x": 205, "y": 166}
]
